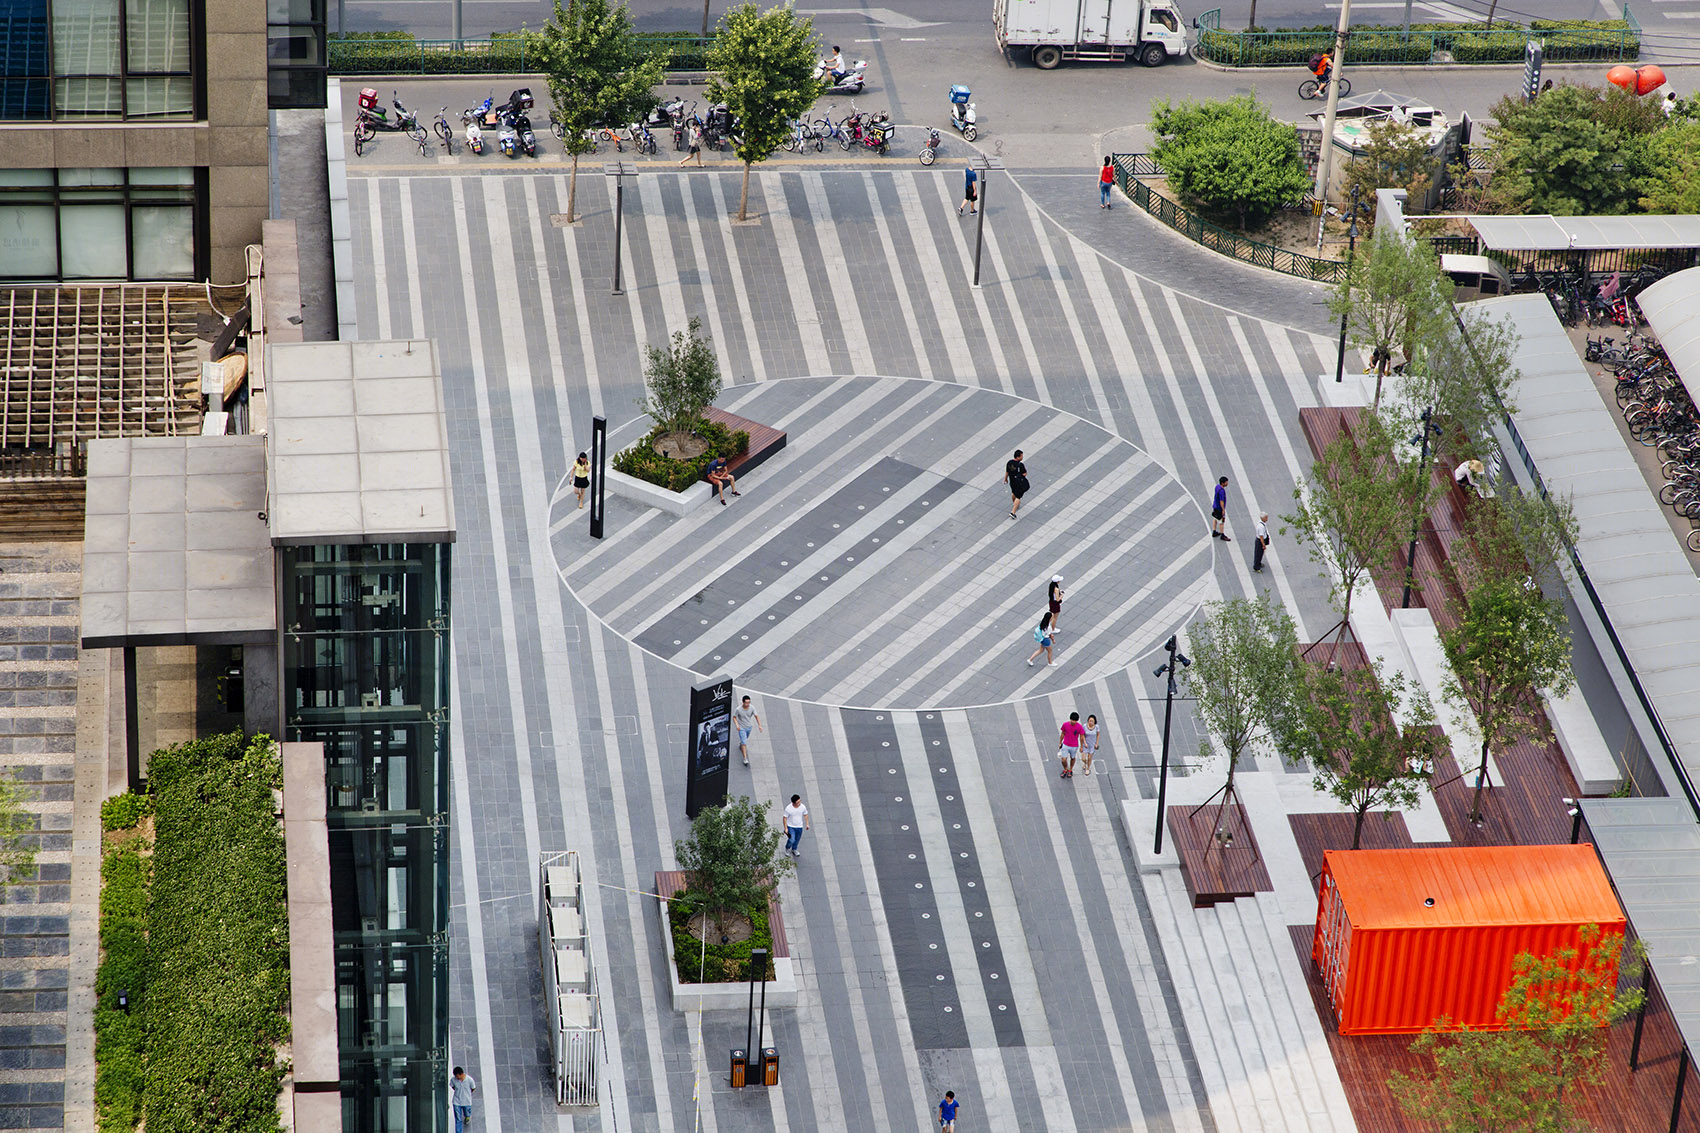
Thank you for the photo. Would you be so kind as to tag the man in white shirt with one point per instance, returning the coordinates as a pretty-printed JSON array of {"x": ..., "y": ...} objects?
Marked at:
[
  {"x": 1262, "y": 542},
  {"x": 461, "y": 1088},
  {"x": 796, "y": 821},
  {"x": 835, "y": 65}
]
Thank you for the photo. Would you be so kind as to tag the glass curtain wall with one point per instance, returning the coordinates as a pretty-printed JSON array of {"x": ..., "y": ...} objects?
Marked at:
[
  {"x": 366, "y": 655},
  {"x": 82, "y": 60},
  {"x": 295, "y": 53}
]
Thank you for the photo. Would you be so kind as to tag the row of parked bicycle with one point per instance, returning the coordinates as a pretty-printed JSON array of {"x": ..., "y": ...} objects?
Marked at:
[
  {"x": 1659, "y": 412},
  {"x": 1598, "y": 297}
]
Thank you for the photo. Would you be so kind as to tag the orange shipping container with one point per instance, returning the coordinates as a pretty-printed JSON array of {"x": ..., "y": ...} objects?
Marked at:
[{"x": 1407, "y": 937}]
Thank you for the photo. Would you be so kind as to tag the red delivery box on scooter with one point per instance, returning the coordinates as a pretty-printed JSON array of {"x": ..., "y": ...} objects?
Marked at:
[{"x": 368, "y": 98}]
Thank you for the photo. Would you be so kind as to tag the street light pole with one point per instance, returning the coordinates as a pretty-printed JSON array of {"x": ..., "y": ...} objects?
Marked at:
[
  {"x": 1168, "y": 667},
  {"x": 1429, "y": 429},
  {"x": 982, "y": 165},
  {"x": 1351, "y": 250},
  {"x": 619, "y": 171}
]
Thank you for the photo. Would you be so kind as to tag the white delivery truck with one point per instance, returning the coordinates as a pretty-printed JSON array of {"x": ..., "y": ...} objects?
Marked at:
[{"x": 1103, "y": 30}]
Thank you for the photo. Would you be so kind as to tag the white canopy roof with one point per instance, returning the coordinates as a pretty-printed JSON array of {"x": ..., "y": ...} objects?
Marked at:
[
  {"x": 1672, "y": 307},
  {"x": 1557, "y": 233}
]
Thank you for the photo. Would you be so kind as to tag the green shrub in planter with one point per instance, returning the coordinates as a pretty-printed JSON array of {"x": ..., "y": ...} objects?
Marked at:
[
  {"x": 642, "y": 461},
  {"x": 714, "y": 962},
  {"x": 122, "y": 812},
  {"x": 119, "y": 1038},
  {"x": 1489, "y": 47}
]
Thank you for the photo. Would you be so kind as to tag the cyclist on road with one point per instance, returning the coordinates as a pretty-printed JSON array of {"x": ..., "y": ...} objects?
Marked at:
[{"x": 1322, "y": 66}]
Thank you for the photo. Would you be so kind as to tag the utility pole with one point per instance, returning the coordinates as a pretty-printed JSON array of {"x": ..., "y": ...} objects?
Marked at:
[{"x": 1325, "y": 159}]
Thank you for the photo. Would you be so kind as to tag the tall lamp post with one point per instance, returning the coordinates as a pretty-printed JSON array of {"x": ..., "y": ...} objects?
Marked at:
[
  {"x": 1351, "y": 253},
  {"x": 618, "y": 171},
  {"x": 1430, "y": 429},
  {"x": 982, "y": 165},
  {"x": 1168, "y": 669}
]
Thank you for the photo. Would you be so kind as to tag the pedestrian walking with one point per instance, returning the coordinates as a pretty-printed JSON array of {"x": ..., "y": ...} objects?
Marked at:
[
  {"x": 1106, "y": 182},
  {"x": 1015, "y": 475},
  {"x": 1262, "y": 541},
  {"x": 947, "y": 1112},
  {"x": 1089, "y": 743},
  {"x": 744, "y": 718},
  {"x": 796, "y": 821},
  {"x": 1053, "y": 599},
  {"x": 969, "y": 196},
  {"x": 696, "y": 148},
  {"x": 1068, "y": 746},
  {"x": 461, "y": 1088},
  {"x": 581, "y": 476},
  {"x": 1219, "y": 511},
  {"x": 1043, "y": 636}
]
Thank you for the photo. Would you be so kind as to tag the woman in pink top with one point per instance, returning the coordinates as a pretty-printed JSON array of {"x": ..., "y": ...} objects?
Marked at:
[{"x": 1068, "y": 747}]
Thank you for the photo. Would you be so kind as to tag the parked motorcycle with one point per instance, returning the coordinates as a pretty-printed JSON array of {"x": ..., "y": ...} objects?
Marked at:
[
  {"x": 474, "y": 133},
  {"x": 930, "y": 148},
  {"x": 962, "y": 113},
  {"x": 404, "y": 120},
  {"x": 848, "y": 83}
]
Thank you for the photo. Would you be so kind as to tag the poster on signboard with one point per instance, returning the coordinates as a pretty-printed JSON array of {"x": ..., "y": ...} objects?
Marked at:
[{"x": 710, "y": 741}]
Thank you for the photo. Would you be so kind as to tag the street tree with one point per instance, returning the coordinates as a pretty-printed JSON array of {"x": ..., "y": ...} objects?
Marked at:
[
  {"x": 762, "y": 67},
  {"x": 1355, "y": 511},
  {"x": 1510, "y": 644},
  {"x": 1394, "y": 298},
  {"x": 1558, "y": 1012},
  {"x": 18, "y": 829},
  {"x": 683, "y": 380},
  {"x": 1348, "y": 725},
  {"x": 1466, "y": 373},
  {"x": 1393, "y": 155},
  {"x": 1672, "y": 181},
  {"x": 1517, "y": 535},
  {"x": 1575, "y": 150},
  {"x": 596, "y": 74},
  {"x": 1229, "y": 155},
  {"x": 731, "y": 860},
  {"x": 1244, "y": 674}
]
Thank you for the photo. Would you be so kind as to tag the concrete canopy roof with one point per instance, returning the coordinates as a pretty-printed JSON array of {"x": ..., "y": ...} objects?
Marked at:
[
  {"x": 175, "y": 549},
  {"x": 1633, "y": 559},
  {"x": 1558, "y": 233},
  {"x": 358, "y": 449}
]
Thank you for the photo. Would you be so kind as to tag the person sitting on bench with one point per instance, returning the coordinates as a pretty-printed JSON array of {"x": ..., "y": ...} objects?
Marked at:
[{"x": 721, "y": 479}]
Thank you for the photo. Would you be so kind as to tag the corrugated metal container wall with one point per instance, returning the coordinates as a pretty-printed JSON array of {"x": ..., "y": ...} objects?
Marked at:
[{"x": 1405, "y": 938}]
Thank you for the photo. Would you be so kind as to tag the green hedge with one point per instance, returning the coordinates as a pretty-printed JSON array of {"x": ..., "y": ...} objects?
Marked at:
[
  {"x": 723, "y": 963},
  {"x": 121, "y": 812},
  {"x": 509, "y": 53},
  {"x": 642, "y": 461},
  {"x": 118, "y": 1035},
  {"x": 1566, "y": 41}
]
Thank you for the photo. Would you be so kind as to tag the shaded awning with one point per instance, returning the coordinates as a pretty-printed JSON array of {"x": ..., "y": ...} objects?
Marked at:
[
  {"x": 1672, "y": 307},
  {"x": 1558, "y": 233}
]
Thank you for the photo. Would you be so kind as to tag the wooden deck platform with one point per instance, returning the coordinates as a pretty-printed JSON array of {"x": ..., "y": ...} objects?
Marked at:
[{"x": 1213, "y": 872}]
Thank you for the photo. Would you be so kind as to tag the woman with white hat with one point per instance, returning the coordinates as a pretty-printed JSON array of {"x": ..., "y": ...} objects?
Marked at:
[{"x": 1467, "y": 475}]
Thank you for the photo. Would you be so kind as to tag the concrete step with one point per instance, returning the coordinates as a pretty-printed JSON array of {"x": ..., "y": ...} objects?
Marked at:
[
  {"x": 1286, "y": 1063},
  {"x": 1288, "y": 968},
  {"x": 1226, "y": 1079},
  {"x": 1180, "y": 949}
]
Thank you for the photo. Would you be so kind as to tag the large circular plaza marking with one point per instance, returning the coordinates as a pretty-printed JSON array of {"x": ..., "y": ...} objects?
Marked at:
[{"x": 872, "y": 562}]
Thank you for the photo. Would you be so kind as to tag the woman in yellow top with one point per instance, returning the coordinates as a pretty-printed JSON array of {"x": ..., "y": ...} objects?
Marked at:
[{"x": 581, "y": 476}]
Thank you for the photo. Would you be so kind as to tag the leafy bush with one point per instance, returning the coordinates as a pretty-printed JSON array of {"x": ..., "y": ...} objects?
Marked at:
[
  {"x": 122, "y": 812},
  {"x": 642, "y": 461},
  {"x": 712, "y": 962},
  {"x": 505, "y": 53},
  {"x": 1566, "y": 40},
  {"x": 118, "y": 1035},
  {"x": 218, "y": 939},
  {"x": 1230, "y": 156}
]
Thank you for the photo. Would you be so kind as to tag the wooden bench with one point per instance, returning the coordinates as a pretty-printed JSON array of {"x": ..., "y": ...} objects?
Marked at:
[{"x": 764, "y": 441}]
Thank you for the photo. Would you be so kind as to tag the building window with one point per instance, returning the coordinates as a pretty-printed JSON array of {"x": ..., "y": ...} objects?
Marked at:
[
  {"x": 295, "y": 53},
  {"x": 88, "y": 224},
  {"x": 76, "y": 60}
]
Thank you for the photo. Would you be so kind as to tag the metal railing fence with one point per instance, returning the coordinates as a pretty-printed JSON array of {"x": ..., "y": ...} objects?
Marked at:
[{"x": 498, "y": 55}]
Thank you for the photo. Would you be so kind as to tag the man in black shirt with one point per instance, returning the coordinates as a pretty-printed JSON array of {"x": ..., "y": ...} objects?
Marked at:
[{"x": 1015, "y": 475}]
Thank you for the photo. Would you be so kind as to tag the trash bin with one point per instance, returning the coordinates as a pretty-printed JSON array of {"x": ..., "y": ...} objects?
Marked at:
[
  {"x": 740, "y": 1065},
  {"x": 769, "y": 1067}
]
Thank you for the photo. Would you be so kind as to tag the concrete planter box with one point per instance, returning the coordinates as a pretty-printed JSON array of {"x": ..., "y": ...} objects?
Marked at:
[{"x": 781, "y": 990}]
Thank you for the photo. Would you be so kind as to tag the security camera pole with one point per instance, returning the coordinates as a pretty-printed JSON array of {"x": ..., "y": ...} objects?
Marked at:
[
  {"x": 1173, "y": 646},
  {"x": 983, "y": 165}
]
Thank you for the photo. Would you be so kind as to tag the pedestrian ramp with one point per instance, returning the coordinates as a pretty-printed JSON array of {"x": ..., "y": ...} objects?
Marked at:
[
  {"x": 1260, "y": 1046},
  {"x": 569, "y": 981}
]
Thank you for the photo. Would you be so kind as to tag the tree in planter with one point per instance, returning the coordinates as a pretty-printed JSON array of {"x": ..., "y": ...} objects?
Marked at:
[
  {"x": 1357, "y": 509},
  {"x": 1516, "y": 535},
  {"x": 1559, "y": 1011},
  {"x": 1229, "y": 155},
  {"x": 17, "y": 832},
  {"x": 1394, "y": 298},
  {"x": 683, "y": 380},
  {"x": 762, "y": 66},
  {"x": 1393, "y": 156},
  {"x": 732, "y": 860},
  {"x": 1510, "y": 644},
  {"x": 1346, "y": 725},
  {"x": 1466, "y": 372},
  {"x": 1244, "y": 675},
  {"x": 596, "y": 74}
]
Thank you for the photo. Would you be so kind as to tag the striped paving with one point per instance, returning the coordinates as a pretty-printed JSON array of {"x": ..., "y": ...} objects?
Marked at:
[
  {"x": 882, "y": 530},
  {"x": 961, "y": 919}
]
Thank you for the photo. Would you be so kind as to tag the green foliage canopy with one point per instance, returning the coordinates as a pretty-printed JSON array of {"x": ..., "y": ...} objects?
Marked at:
[
  {"x": 17, "y": 831},
  {"x": 1245, "y": 672},
  {"x": 763, "y": 70},
  {"x": 1229, "y": 155},
  {"x": 683, "y": 380},
  {"x": 732, "y": 856},
  {"x": 1394, "y": 297},
  {"x": 1672, "y": 180},
  {"x": 1575, "y": 150}
]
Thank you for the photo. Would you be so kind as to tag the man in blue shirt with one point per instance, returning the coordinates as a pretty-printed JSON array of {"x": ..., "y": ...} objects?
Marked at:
[
  {"x": 721, "y": 479},
  {"x": 1219, "y": 511},
  {"x": 947, "y": 1112}
]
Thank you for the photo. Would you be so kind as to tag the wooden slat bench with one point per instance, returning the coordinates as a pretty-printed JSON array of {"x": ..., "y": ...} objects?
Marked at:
[{"x": 764, "y": 441}]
